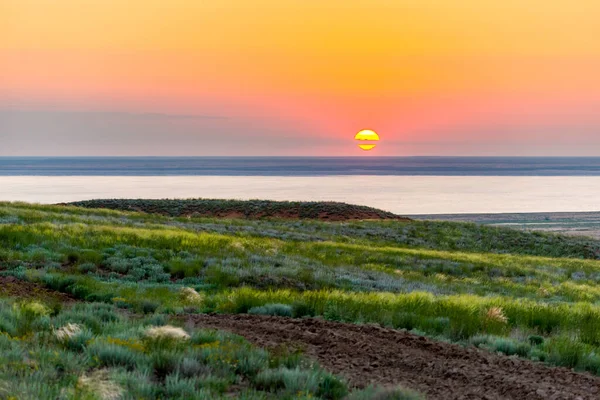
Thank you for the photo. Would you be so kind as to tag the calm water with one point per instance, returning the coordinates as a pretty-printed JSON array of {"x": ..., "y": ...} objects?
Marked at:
[
  {"x": 401, "y": 185},
  {"x": 299, "y": 166}
]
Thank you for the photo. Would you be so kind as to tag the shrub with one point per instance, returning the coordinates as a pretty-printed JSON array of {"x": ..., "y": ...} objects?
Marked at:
[
  {"x": 331, "y": 387},
  {"x": 281, "y": 356},
  {"x": 80, "y": 291},
  {"x": 165, "y": 337},
  {"x": 510, "y": 347},
  {"x": 26, "y": 314},
  {"x": 58, "y": 283},
  {"x": 180, "y": 387},
  {"x": 93, "y": 315},
  {"x": 375, "y": 393},
  {"x": 33, "y": 309},
  {"x": 301, "y": 309},
  {"x": 87, "y": 268},
  {"x": 250, "y": 362},
  {"x": 205, "y": 336},
  {"x": 290, "y": 380},
  {"x": 164, "y": 363},
  {"x": 591, "y": 362},
  {"x": 190, "y": 296},
  {"x": 100, "y": 297},
  {"x": 111, "y": 355},
  {"x": 436, "y": 325},
  {"x": 190, "y": 367},
  {"x": 8, "y": 326},
  {"x": 538, "y": 354},
  {"x": 281, "y": 310},
  {"x": 148, "y": 306},
  {"x": 565, "y": 351},
  {"x": 73, "y": 337},
  {"x": 71, "y": 257},
  {"x": 185, "y": 268},
  {"x": 217, "y": 276},
  {"x": 98, "y": 385},
  {"x": 122, "y": 303},
  {"x": 536, "y": 340},
  {"x": 403, "y": 320},
  {"x": 156, "y": 320}
]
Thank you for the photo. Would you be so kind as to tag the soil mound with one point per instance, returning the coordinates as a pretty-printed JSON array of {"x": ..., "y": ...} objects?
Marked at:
[
  {"x": 251, "y": 209},
  {"x": 368, "y": 354},
  {"x": 13, "y": 287}
]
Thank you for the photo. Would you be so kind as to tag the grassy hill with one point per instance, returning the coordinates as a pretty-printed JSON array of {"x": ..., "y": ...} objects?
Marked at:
[
  {"x": 252, "y": 209},
  {"x": 534, "y": 295}
]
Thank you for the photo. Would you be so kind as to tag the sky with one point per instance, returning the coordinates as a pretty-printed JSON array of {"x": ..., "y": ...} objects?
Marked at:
[{"x": 299, "y": 77}]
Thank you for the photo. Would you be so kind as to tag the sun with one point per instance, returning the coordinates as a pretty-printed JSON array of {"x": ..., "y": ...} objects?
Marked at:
[{"x": 367, "y": 135}]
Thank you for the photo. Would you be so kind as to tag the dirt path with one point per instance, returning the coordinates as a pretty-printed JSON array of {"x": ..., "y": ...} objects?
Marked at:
[{"x": 369, "y": 354}]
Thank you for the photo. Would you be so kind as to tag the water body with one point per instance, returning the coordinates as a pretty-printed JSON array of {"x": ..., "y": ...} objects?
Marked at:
[
  {"x": 414, "y": 185},
  {"x": 298, "y": 166}
]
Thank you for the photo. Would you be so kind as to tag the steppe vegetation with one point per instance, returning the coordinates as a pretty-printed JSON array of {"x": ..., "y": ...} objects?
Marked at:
[
  {"x": 92, "y": 351},
  {"x": 533, "y": 295}
]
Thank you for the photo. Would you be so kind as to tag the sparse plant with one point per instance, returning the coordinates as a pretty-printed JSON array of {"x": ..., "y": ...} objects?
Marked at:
[
  {"x": 190, "y": 296},
  {"x": 380, "y": 393},
  {"x": 496, "y": 315},
  {"x": 73, "y": 337},
  {"x": 280, "y": 310},
  {"x": 165, "y": 337},
  {"x": 99, "y": 385},
  {"x": 112, "y": 355}
]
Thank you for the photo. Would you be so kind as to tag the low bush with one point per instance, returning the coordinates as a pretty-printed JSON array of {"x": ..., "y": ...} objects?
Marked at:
[
  {"x": 73, "y": 337},
  {"x": 165, "y": 337},
  {"x": 331, "y": 387},
  {"x": 87, "y": 268},
  {"x": 280, "y": 310},
  {"x": 535, "y": 340},
  {"x": 113, "y": 355},
  {"x": 164, "y": 363},
  {"x": 148, "y": 306},
  {"x": 377, "y": 393},
  {"x": 289, "y": 380}
]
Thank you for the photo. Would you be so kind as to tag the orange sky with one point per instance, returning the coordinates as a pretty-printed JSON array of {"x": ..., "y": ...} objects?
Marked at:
[{"x": 455, "y": 77}]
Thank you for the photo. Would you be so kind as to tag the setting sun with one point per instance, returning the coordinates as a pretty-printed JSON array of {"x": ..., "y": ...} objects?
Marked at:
[{"x": 367, "y": 135}]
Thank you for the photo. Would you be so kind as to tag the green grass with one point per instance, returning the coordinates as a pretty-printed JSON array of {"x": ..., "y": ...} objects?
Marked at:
[
  {"x": 459, "y": 282},
  {"x": 92, "y": 351}
]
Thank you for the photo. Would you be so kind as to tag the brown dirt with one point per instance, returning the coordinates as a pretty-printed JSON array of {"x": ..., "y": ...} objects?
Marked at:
[
  {"x": 368, "y": 354},
  {"x": 13, "y": 287}
]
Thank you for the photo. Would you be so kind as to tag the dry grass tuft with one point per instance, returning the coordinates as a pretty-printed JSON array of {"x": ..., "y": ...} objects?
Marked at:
[
  {"x": 189, "y": 295},
  {"x": 166, "y": 332},
  {"x": 67, "y": 332},
  {"x": 100, "y": 386},
  {"x": 496, "y": 314}
]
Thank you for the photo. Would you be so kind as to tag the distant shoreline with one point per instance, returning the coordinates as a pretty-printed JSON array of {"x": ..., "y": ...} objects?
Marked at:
[
  {"x": 570, "y": 223},
  {"x": 301, "y": 166}
]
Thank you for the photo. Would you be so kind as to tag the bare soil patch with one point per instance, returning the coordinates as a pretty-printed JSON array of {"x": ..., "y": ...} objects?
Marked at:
[
  {"x": 367, "y": 354},
  {"x": 13, "y": 287}
]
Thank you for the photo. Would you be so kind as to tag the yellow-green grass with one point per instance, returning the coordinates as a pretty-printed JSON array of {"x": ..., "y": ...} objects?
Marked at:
[{"x": 454, "y": 281}]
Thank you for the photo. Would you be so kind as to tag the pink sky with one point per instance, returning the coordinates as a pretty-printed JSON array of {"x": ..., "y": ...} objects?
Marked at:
[{"x": 451, "y": 77}]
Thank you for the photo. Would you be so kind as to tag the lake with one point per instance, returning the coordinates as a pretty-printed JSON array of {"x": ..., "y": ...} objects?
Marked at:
[{"x": 411, "y": 185}]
